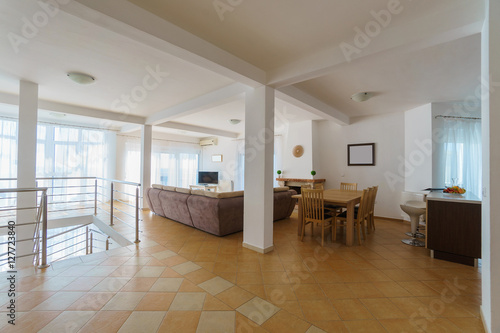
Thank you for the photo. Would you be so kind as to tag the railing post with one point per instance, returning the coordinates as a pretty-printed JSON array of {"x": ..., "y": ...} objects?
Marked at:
[
  {"x": 44, "y": 230},
  {"x": 107, "y": 243},
  {"x": 86, "y": 240},
  {"x": 91, "y": 242},
  {"x": 95, "y": 197},
  {"x": 137, "y": 240},
  {"x": 112, "y": 210}
]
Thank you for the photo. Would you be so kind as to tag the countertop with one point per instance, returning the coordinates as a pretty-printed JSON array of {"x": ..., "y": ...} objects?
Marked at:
[{"x": 467, "y": 197}]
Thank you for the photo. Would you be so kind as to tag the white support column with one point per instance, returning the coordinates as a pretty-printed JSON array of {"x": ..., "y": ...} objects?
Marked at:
[
  {"x": 146, "y": 145},
  {"x": 26, "y": 166},
  {"x": 490, "y": 104},
  {"x": 259, "y": 150}
]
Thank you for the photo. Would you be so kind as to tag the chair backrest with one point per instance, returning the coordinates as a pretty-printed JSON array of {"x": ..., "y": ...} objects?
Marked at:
[
  {"x": 312, "y": 204},
  {"x": 319, "y": 186},
  {"x": 364, "y": 205},
  {"x": 349, "y": 186},
  {"x": 373, "y": 197}
]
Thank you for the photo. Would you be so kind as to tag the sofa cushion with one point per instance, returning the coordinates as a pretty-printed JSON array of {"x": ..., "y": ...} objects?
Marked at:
[
  {"x": 183, "y": 190},
  {"x": 174, "y": 205},
  {"x": 216, "y": 216},
  {"x": 281, "y": 189},
  {"x": 198, "y": 192},
  {"x": 223, "y": 195},
  {"x": 169, "y": 188},
  {"x": 158, "y": 186}
]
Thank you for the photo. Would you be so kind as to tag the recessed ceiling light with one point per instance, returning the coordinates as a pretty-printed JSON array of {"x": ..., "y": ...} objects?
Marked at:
[
  {"x": 234, "y": 121},
  {"x": 81, "y": 78},
  {"x": 362, "y": 96}
]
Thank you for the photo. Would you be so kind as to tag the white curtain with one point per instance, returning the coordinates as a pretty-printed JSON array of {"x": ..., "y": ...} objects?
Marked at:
[
  {"x": 8, "y": 159},
  {"x": 175, "y": 163},
  {"x": 461, "y": 154}
]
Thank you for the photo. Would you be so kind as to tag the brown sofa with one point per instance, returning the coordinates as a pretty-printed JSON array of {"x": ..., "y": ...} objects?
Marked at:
[{"x": 219, "y": 213}]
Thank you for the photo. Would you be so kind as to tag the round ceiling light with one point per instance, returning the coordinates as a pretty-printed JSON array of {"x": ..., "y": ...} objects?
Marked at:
[
  {"x": 81, "y": 78},
  {"x": 234, "y": 121},
  {"x": 362, "y": 96}
]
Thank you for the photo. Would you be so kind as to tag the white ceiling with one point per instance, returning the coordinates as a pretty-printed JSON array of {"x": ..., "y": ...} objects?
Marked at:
[{"x": 430, "y": 52}]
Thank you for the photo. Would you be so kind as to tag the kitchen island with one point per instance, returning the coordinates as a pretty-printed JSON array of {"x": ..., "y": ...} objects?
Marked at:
[{"x": 454, "y": 227}]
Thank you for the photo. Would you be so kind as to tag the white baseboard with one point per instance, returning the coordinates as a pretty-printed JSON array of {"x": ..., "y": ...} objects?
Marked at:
[
  {"x": 482, "y": 319},
  {"x": 258, "y": 249}
]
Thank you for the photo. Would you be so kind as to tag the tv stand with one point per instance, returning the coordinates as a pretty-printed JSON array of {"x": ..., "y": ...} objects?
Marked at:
[{"x": 206, "y": 187}]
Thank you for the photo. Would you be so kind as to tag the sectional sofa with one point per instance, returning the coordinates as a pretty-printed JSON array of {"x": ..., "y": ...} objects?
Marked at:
[{"x": 218, "y": 213}]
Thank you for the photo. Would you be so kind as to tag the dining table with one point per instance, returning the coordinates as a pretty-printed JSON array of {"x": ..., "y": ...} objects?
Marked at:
[{"x": 343, "y": 198}]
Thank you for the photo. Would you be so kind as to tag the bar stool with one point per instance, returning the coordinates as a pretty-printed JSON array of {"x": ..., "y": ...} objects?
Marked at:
[{"x": 414, "y": 209}]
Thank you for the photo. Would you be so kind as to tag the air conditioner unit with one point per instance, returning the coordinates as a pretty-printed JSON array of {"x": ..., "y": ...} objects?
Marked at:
[{"x": 208, "y": 142}]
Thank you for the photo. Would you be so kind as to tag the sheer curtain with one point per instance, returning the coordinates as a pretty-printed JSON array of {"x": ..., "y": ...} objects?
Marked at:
[
  {"x": 174, "y": 163},
  {"x": 461, "y": 154},
  {"x": 8, "y": 158}
]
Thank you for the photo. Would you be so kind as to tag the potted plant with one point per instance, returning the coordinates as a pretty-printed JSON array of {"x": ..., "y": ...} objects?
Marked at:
[
  {"x": 313, "y": 173},
  {"x": 279, "y": 173}
]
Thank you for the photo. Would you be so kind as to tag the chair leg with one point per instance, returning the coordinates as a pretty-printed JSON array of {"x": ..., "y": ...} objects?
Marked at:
[
  {"x": 322, "y": 233},
  {"x": 303, "y": 230},
  {"x": 372, "y": 220},
  {"x": 359, "y": 232},
  {"x": 334, "y": 229},
  {"x": 363, "y": 228}
]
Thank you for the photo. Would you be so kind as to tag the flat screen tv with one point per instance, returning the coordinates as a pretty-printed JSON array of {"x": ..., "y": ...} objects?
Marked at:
[{"x": 208, "y": 177}]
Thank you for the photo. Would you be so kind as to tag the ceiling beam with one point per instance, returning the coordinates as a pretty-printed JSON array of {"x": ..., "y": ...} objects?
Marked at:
[
  {"x": 199, "y": 129},
  {"x": 434, "y": 29},
  {"x": 204, "y": 102},
  {"x": 127, "y": 19},
  {"x": 76, "y": 110},
  {"x": 309, "y": 103}
]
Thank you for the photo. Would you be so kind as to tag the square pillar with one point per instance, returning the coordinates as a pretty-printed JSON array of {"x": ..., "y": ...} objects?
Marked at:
[
  {"x": 259, "y": 150},
  {"x": 146, "y": 146},
  {"x": 26, "y": 167}
]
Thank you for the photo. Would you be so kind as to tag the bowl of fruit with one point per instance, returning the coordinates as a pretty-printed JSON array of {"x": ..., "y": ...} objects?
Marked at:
[{"x": 455, "y": 190}]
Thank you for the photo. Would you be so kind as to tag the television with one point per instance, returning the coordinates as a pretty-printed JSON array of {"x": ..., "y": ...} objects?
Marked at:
[{"x": 208, "y": 177}]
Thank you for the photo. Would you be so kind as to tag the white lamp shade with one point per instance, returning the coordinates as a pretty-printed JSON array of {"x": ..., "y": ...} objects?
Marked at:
[
  {"x": 361, "y": 96},
  {"x": 81, "y": 78}
]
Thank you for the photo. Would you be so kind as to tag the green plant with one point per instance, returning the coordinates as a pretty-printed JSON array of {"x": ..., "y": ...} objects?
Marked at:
[
  {"x": 278, "y": 172},
  {"x": 313, "y": 172}
]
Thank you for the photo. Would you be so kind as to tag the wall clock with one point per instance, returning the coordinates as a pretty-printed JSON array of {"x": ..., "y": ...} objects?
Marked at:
[{"x": 298, "y": 151}]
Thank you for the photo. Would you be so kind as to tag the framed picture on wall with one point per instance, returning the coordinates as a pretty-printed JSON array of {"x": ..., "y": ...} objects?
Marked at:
[
  {"x": 361, "y": 154},
  {"x": 217, "y": 158}
]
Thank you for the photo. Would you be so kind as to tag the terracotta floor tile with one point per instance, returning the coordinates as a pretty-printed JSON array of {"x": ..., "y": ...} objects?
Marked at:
[
  {"x": 180, "y": 321},
  {"x": 199, "y": 276},
  {"x": 106, "y": 322},
  {"x": 271, "y": 277},
  {"x": 272, "y": 267},
  {"x": 382, "y": 308},
  {"x": 124, "y": 301},
  {"x": 351, "y": 309},
  {"x": 318, "y": 310},
  {"x": 225, "y": 267},
  {"x": 68, "y": 321},
  {"x": 364, "y": 290},
  {"x": 91, "y": 302},
  {"x": 258, "y": 310},
  {"x": 125, "y": 271},
  {"x": 243, "y": 324},
  {"x": 332, "y": 326},
  {"x": 292, "y": 307},
  {"x": 285, "y": 322},
  {"x": 155, "y": 302},
  {"x": 59, "y": 301},
  {"x": 308, "y": 292},
  {"x": 337, "y": 290},
  {"x": 30, "y": 300},
  {"x": 143, "y": 321},
  {"x": 33, "y": 321},
  {"x": 417, "y": 288},
  {"x": 139, "y": 284},
  {"x": 217, "y": 321},
  {"x": 417, "y": 325},
  {"x": 279, "y": 293},
  {"x": 214, "y": 304},
  {"x": 248, "y": 278},
  {"x": 361, "y": 326},
  {"x": 256, "y": 289},
  {"x": 235, "y": 296},
  {"x": 472, "y": 325}
]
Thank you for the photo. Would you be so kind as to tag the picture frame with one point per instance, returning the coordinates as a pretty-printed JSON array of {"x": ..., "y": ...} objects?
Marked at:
[
  {"x": 217, "y": 158},
  {"x": 361, "y": 154}
]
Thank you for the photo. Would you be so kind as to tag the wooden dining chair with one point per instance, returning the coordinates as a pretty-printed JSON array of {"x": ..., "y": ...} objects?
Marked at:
[
  {"x": 371, "y": 208},
  {"x": 348, "y": 186},
  {"x": 313, "y": 211},
  {"x": 359, "y": 218}
]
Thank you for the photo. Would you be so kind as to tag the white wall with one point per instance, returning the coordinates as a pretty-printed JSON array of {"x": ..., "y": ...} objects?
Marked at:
[
  {"x": 299, "y": 133},
  {"x": 228, "y": 168},
  {"x": 418, "y": 148},
  {"x": 387, "y": 132}
]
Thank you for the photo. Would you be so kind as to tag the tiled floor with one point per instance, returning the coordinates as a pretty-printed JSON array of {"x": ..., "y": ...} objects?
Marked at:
[{"x": 179, "y": 279}]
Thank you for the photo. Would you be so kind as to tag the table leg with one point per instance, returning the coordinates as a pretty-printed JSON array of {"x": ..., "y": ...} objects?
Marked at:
[
  {"x": 299, "y": 218},
  {"x": 350, "y": 224}
]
